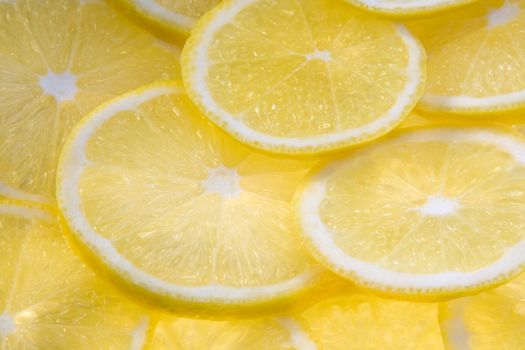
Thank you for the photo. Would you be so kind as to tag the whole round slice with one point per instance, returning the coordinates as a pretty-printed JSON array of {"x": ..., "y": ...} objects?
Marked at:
[
  {"x": 58, "y": 60},
  {"x": 432, "y": 213},
  {"x": 491, "y": 320},
  {"x": 49, "y": 299},
  {"x": 176, "y": 16},
  {"x": 408, "y": 7},
  {"x": 475, "y": 58},
  {"x": 301, "y": 76},
  {"x": 179, "y": 211}
]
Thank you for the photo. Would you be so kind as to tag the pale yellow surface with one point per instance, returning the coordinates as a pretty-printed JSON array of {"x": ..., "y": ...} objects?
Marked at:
[
  {"x": 108, "y": 56},
  {"x": 190, "y": 8}
]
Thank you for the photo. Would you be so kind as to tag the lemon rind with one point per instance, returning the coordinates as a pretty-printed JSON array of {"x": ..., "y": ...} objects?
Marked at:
[
  {"x": 73, "y": 162},
  {"x": 403, "y": 8},
  {"x": 373, "y": 277},
  {"x": 195, "y": 65}
]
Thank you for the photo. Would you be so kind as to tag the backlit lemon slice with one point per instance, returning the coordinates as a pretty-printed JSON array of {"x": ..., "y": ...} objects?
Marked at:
[
  {"x": 49, "y": 299},
  {"x": 181, "y": 212},
  {"x": 431, "y": 212},
  {"x": 58, "y": 60},
  {"x": 408, "y": 7},
  {"x": 302, "y": 76}
]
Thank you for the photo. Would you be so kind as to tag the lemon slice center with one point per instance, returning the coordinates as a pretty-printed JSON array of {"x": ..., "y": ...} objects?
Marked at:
[
  {"x": 322, "y": 55},
  {"x": 504, "y": 14},
  {"x": 223, "y": 181},
  {"x": 62, "y": 86},
  {"x": 7, "y": 324},
  {"x": 438, "y": 205}
]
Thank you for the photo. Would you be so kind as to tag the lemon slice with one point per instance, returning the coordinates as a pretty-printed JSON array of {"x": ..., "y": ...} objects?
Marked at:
[
  {"x": 59, "y": 59},
  {"x": 176, "y": 16},
  {"x": 432, "y": 212},
  {"x": 49, "y": 299},
  {"x": 491, "y": 320},
  {"x": 475, "y": 62},
  {"x": 346, "y": 321},
  {"x": 408, "y": 7},
  {"x": 301, "y": 76},
  {"x": 178, "y": 210}
]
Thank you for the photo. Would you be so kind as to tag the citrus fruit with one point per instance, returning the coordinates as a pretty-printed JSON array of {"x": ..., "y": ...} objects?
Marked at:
[
  {"x": 475, "y": 58},
  {"x": 175, "y": 16},
  {"x": 432, "y": 213},
  {"x": 408, "y": 7},
  {"x": 58, "y": 60},
  {"x": 350, "y": 321},
  {"x": 178, "y": 210},
  {"x": 301, "y": 76},
  {"x": 491, "y": 320},
  {"x": 48, "y": 298}
]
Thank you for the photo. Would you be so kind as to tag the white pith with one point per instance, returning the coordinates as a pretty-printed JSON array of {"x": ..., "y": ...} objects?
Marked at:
[
  {"x": 299, "y": 339},
  {"x": 62, "y": 86},
  {"x": 74, "y": 161},
  {"x": 7, "y": 324},
  {"x": 223, "y": 181},
  {"x": 11, "y": 192},
  {"x": 320, "y": 235},
  {"x": 508, "y": 12},
  {"x": 198, "y": 76},
  {"x": 154, "y": 9},
  {"x": 438, "y": 205},
  {"x": 408, "y": 5}
]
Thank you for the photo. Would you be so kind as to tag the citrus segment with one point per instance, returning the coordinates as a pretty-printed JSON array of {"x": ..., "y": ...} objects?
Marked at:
[
  {"x": 301, "y": 76},
  {"x": 178, "y": 209},
  {"x": 49, "y": 299},
  {"x": 58, "y": 60},
  {"x": 429, "y": 212}
]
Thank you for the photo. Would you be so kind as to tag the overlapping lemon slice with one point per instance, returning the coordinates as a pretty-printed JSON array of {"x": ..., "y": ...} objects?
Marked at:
[
  {"x": 58, "y": 60},
  {"x": 427, "y": 213},
  {"x": 302, "y": 76},
  {"x": 475, "y": 58},
  {"x": 176, "y": 16},
  {"x": 49, "y": 299},
  {"x": 408, "y": 7},
  {"x": 180, "y": 211},
  {"x": 491, "y": 320}
]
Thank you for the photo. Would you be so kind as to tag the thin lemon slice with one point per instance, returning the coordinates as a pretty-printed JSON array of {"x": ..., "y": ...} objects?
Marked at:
[
  {"x": 58, "y": 60},
  {"x": 432, "y": 212},
  {"x": 475, "y": 62},
  {"x": 301, "y": 76},
  {"x": 408, "y": 7},
  {"x": 176, "y": 16},
  {"x": 178, "y": 210},
  {"x": 347, "y": 321},
  {"x": 49, "y": 299},
  {"x": 487, "y": 321}
]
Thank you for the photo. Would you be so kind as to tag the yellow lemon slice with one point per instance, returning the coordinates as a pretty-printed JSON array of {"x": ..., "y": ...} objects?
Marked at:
[
  {"x": 181, "y": 212},
  {"x": 49, "y": 299},
  {"x": 350, "y": 321},
  {"x": 487, "y": 321},
  {"x": 58, "y": 60},
  {"x": 301, "y": 76},
  {"x": 408, "y": 7},
  {"x": 475, "y": 62},
  {"x": 429, "y": 213},
  {"x": 176, "y": 16}
]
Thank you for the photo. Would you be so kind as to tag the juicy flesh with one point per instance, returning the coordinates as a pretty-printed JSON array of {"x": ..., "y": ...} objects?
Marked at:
[
  {"x": 48, "y": 297},
  {"x": 190, "y": 8},
  {"x": 151, "y": 197},
  {"x": 367, "y": 322},
  {"x": 58, "y": 60},
  {"x": 303, "y": 68},
  {"x": 427, "y": 207},
  {"x": 477, "y": 51}
]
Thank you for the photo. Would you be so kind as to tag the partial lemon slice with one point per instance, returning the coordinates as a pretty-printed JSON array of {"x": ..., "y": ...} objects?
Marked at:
[
  {"x": 49, "y": 299},
  {"x": 346, "y": 321},
  {"x": 487, "y": 321},
  {"x": 408, "y": 7},
  {"x": 176, "y": 16},
  {"x": 432, "y": 212},
  {"x": 58, "y": 60},
  {"x": 301, "y": 76},
  {"x": 180, "y": 211},
  {"x": 475, "y": 62}
]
